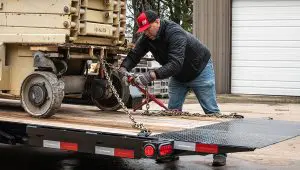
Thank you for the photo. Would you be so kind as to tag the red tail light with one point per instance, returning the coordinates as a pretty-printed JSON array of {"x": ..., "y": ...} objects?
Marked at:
[
  {"x": 207, "y": 148},
  {"x": 68, "y": 146},
  {"x": 149, "y": 150},
  {"x": 165, "y": 150},
  {"x": 124, "y": 153}
]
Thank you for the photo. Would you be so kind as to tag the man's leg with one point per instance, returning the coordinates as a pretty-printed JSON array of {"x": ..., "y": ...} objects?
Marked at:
[
  {"x": 177, "y": 93},
  {"x": 204, "y": 89}
]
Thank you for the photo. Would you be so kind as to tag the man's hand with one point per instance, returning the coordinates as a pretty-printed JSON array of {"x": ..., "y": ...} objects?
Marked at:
[
  {"x": 123, "y": 73},
  {"x": 144, "y": 78}
]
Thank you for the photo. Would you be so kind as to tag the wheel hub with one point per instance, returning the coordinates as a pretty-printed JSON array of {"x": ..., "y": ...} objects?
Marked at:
[
  {"x": 38, "y": 94},
  {"x": 108, "y": 93}
]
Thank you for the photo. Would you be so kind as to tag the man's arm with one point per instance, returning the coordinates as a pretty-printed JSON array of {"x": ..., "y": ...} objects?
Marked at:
[
  {"x": 176, "y": 54},
  {"x": 135, "y": 55}
]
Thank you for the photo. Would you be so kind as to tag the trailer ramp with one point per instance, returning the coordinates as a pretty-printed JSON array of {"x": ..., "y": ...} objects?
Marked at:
[{"x": 233, "y": 136}]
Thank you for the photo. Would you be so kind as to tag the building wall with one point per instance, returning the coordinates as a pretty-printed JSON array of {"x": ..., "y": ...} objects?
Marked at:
[
  {"x": 212, "y": 25},
  {"x": 266, "y": 47}
]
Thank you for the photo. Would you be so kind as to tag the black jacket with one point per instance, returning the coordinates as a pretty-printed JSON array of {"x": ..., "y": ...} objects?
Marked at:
[{"x": 180, "y": 53}]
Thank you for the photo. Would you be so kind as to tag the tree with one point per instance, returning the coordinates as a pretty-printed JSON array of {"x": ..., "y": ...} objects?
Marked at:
[{"x": 179, "y": 11}]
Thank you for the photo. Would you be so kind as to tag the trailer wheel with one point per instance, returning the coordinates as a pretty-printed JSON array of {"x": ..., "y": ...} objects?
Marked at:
[
  {"x": 42, "y": 94},
  {"x": 110, "y": 102}
]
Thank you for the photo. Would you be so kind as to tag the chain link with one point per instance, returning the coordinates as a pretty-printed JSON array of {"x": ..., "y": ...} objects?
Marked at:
[
  {"x": 147, "y": 101},
  {"x": 136, "y": 125}
]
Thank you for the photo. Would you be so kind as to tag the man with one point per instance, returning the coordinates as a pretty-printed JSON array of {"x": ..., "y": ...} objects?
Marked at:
[{"x": 183, "y": 58}]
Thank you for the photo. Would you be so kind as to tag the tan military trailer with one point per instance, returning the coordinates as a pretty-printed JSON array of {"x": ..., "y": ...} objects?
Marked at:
[{"x": 47, "y": 46}]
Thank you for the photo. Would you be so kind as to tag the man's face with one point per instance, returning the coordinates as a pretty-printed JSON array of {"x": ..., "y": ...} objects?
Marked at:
[{"x": 151, "y": 32}]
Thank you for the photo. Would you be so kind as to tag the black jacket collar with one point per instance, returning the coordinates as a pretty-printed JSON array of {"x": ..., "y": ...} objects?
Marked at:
[{"x": 161, "y": 30}]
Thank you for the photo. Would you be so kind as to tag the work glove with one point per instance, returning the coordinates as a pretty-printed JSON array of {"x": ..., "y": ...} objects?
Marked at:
[
  {"x": 143, "y": 78},
  {"x": 123, "y": 73}
]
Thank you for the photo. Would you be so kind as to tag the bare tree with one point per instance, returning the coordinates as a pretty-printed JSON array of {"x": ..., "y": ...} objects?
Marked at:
[{"x": 179, "y": 11}]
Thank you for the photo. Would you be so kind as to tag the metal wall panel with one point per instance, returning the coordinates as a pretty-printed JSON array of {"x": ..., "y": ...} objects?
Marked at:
[
  {"x": 212, "y": 25},
  {"x": 266, "y": 47}
]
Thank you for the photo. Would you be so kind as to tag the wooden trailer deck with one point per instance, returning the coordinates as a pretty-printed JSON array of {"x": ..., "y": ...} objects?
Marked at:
[
  {"x": 91, "y": 118},
  {"x": 72, "y": 125}
]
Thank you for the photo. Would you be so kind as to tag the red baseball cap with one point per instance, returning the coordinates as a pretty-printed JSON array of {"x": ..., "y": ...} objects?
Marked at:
[{"x": 145, "y": 19}]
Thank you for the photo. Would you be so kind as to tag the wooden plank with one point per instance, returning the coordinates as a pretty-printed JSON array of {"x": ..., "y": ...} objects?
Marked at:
[
  {"x": 32, "y": 35},
  {"x": 34, "y": 20},
  {"x": 91, "y": 118},
  {"x": 99, "y": 4},
  {"x": 80, "y": 56},
  {"x": 35, "y": 6},
  {"x": 94, "y": 40},
  {"x": 98, "y": 29},
  {"x": 44, "y": 48},
  {"x": 33, "y": 38},
  {"x": 99, "y": 16},
  {"x": 27, "y": 30}
]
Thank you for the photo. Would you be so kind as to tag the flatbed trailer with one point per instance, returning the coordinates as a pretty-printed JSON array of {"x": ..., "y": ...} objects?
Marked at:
[{"x": 85, "y": 129}]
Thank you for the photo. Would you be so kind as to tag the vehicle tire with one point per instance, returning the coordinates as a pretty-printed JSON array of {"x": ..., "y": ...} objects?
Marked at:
[
  {"x": 111, "y": 103},
  {"x": 42, "y": 94}
]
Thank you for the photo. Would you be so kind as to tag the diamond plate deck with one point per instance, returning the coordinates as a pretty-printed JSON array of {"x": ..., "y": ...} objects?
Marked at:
[{"x": 242, "y": 133}]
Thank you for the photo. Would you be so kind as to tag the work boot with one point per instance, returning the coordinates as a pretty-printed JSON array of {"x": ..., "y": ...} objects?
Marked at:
[{"x": 219, "y": 160}]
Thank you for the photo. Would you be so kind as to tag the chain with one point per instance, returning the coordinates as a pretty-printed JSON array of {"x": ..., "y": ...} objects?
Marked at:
[
  {"x": 180, "y": 113},
  {"x": 147, "y": 101},
  {"x": 161, "y": 112},
  {"x": 147, "y": 96},
  {"x": 136, "y": 125},
  {"x": 110, "y": 65}
]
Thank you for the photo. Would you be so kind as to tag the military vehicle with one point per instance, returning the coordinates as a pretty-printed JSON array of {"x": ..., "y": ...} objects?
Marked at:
[{"x": 46, "y": 48}]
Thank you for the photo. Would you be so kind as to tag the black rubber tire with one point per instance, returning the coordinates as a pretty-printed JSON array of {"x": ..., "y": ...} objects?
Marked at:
[
  {"x": 55, "y": 93},
  {"x": 111, "y": 104}
]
